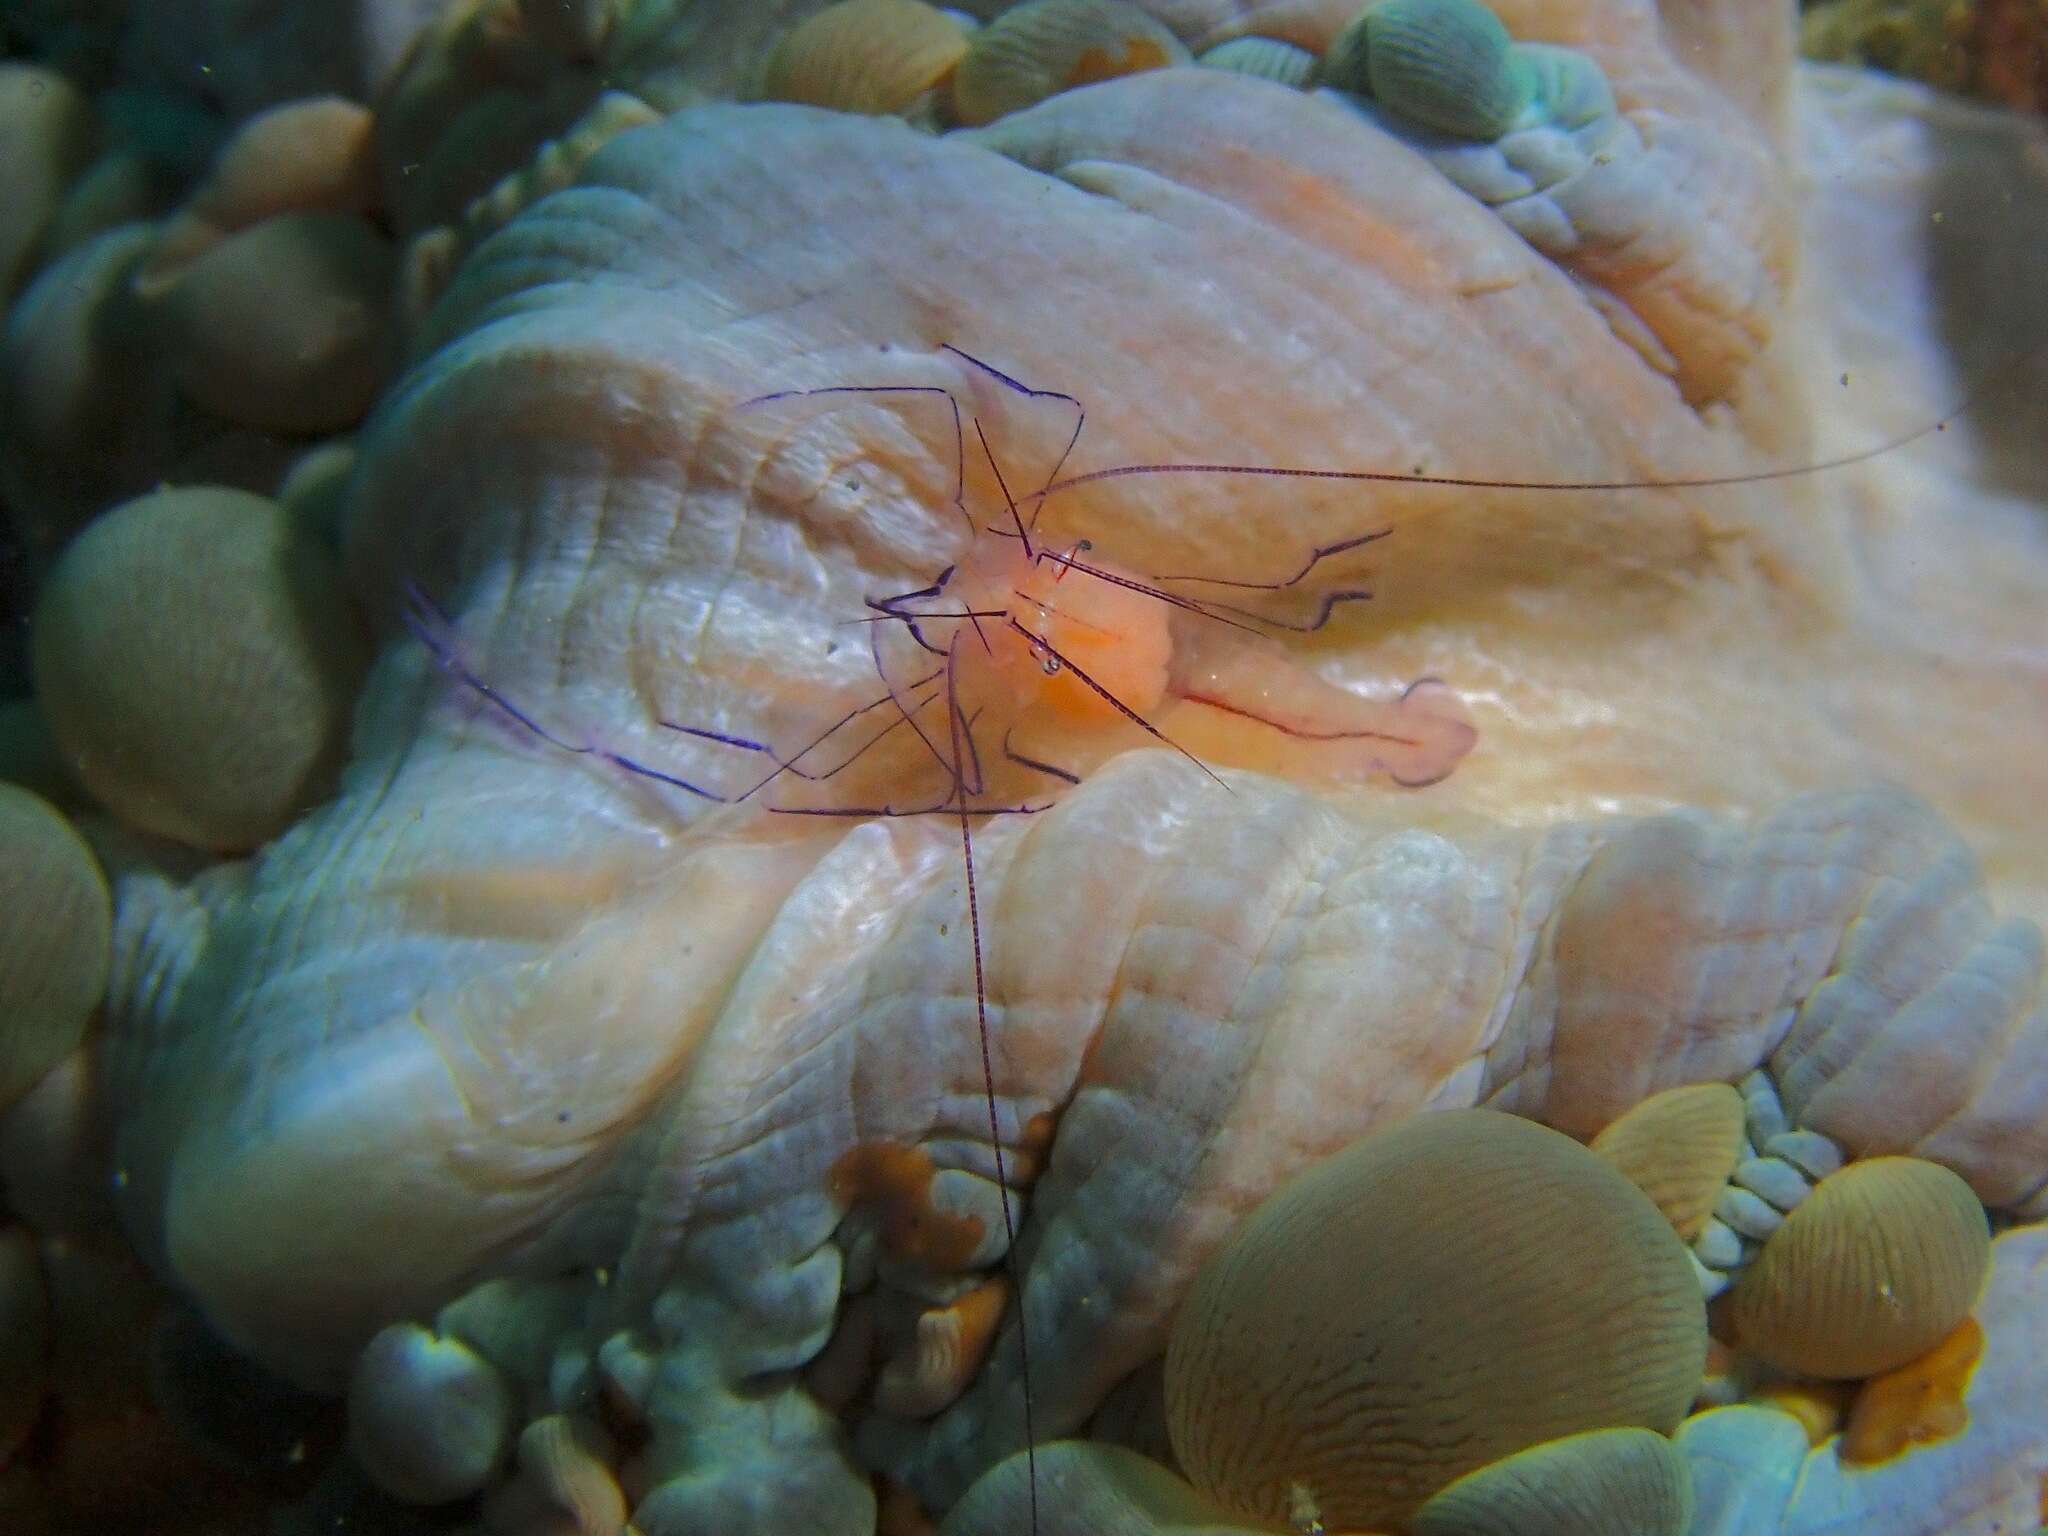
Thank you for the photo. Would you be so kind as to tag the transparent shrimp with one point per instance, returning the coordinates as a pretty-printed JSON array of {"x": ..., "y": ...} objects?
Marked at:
[{"x": 1020, "y": 667}]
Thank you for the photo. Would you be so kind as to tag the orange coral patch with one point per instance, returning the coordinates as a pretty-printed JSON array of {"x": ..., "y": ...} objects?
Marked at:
[
  {"x": 898, "y": 1181},
  {"x": 1920, "y": 1403},
  {"x": 979, "y": 1311},
  {"x": 1095, "y": 64},
  {"x": 1027, "y": 1159}
]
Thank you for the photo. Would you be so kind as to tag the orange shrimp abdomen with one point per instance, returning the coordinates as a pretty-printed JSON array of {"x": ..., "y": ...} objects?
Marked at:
[{"x": 1070, "y": 640}]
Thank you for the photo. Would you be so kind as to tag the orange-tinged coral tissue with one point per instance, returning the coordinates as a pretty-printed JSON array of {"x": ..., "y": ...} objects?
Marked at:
[
  {"x": 1920, "y": 1403},
  {"x": 949, "y": 1346},
  {"x": 898, "y": 1180},
  {"x": 1254, "y": 706},
  {"x": 1124, "y": 56}
]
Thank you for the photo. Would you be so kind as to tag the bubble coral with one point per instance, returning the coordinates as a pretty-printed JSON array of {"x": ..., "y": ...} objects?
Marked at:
[
  {"x": 48, "y": 128},
  {"x": 1087, "y": 1489},
  {"x": 1606, "y": 1482},
  {"x": 285, "y": 326},
  {"x": 1358, "y": 1348},
  {"x": 1678, "y": 1147},
  {"x": 85, "y": 412},
  {"x": 870, "y": 56},
  {"x": 1446, "y": 64},
  {"x": 53, "y": 939},
  {"x": 1878, "y": 1265},
  {"x": 210, "y": 728},
  {"x": 1263, "y": 58},
  {"x": 1043, "y": 47},
  {"x": 429, "y": 1419},
  {"x": 304, "y": 156}
]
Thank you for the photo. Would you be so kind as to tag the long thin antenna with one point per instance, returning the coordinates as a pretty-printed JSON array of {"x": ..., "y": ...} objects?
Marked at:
[
  {"x": 1963, "y": 407},
  {"x": 995, "y": 1134}
]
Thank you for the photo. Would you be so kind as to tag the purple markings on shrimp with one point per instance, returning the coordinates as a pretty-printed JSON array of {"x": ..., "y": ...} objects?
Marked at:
[
  {"x": 718, "y": 736},
  {"x": 1037, "y": 765},
  {"x": 1080, "y": 410},
  {"x": 428, "y": 622},
  {"x": 1325, "y": 608}
]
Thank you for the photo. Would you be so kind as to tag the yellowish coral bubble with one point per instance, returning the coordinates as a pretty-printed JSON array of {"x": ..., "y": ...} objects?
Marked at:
[
  {"x": 867, "y": 56},
  {"x": 1434, "y": 1298},
  {"x": 1678, "y": 1147},
  {"x": 47, "y": 128},
  {"x": 286, "y": 326},
  {"x": 197, "y": 663},
  {"x": 1044, "y": 47},
  {"x": 1875, "y": 1268},
  {"x": 312, "y": 155}
]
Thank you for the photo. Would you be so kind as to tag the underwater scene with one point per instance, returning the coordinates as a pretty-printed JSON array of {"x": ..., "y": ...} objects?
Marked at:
[{"x": 1079, "y": 768}]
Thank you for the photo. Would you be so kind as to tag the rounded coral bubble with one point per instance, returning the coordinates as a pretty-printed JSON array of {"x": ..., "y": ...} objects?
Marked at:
[
  {"x": 1431, "y": 1299},
  {"x": 1875, "y": 1268},
  {"x": 197, "y": 664}
]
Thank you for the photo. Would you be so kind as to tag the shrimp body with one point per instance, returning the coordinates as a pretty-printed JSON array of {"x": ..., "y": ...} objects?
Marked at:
[{"x": 1064, "y": 628}]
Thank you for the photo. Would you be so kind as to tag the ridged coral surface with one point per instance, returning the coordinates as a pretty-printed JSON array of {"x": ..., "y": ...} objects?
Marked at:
[{"x": 554, "y": 1090}]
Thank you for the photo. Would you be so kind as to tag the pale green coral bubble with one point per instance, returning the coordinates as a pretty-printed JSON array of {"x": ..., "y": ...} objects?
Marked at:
[
  {"x": 1606, "y": 1482},
  {"x": 1266, "y": 58},
  {"x": 1446, "y": 64},
  {"x": 1569, "y": 89},
  {"x": 210, "y": 722}
]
